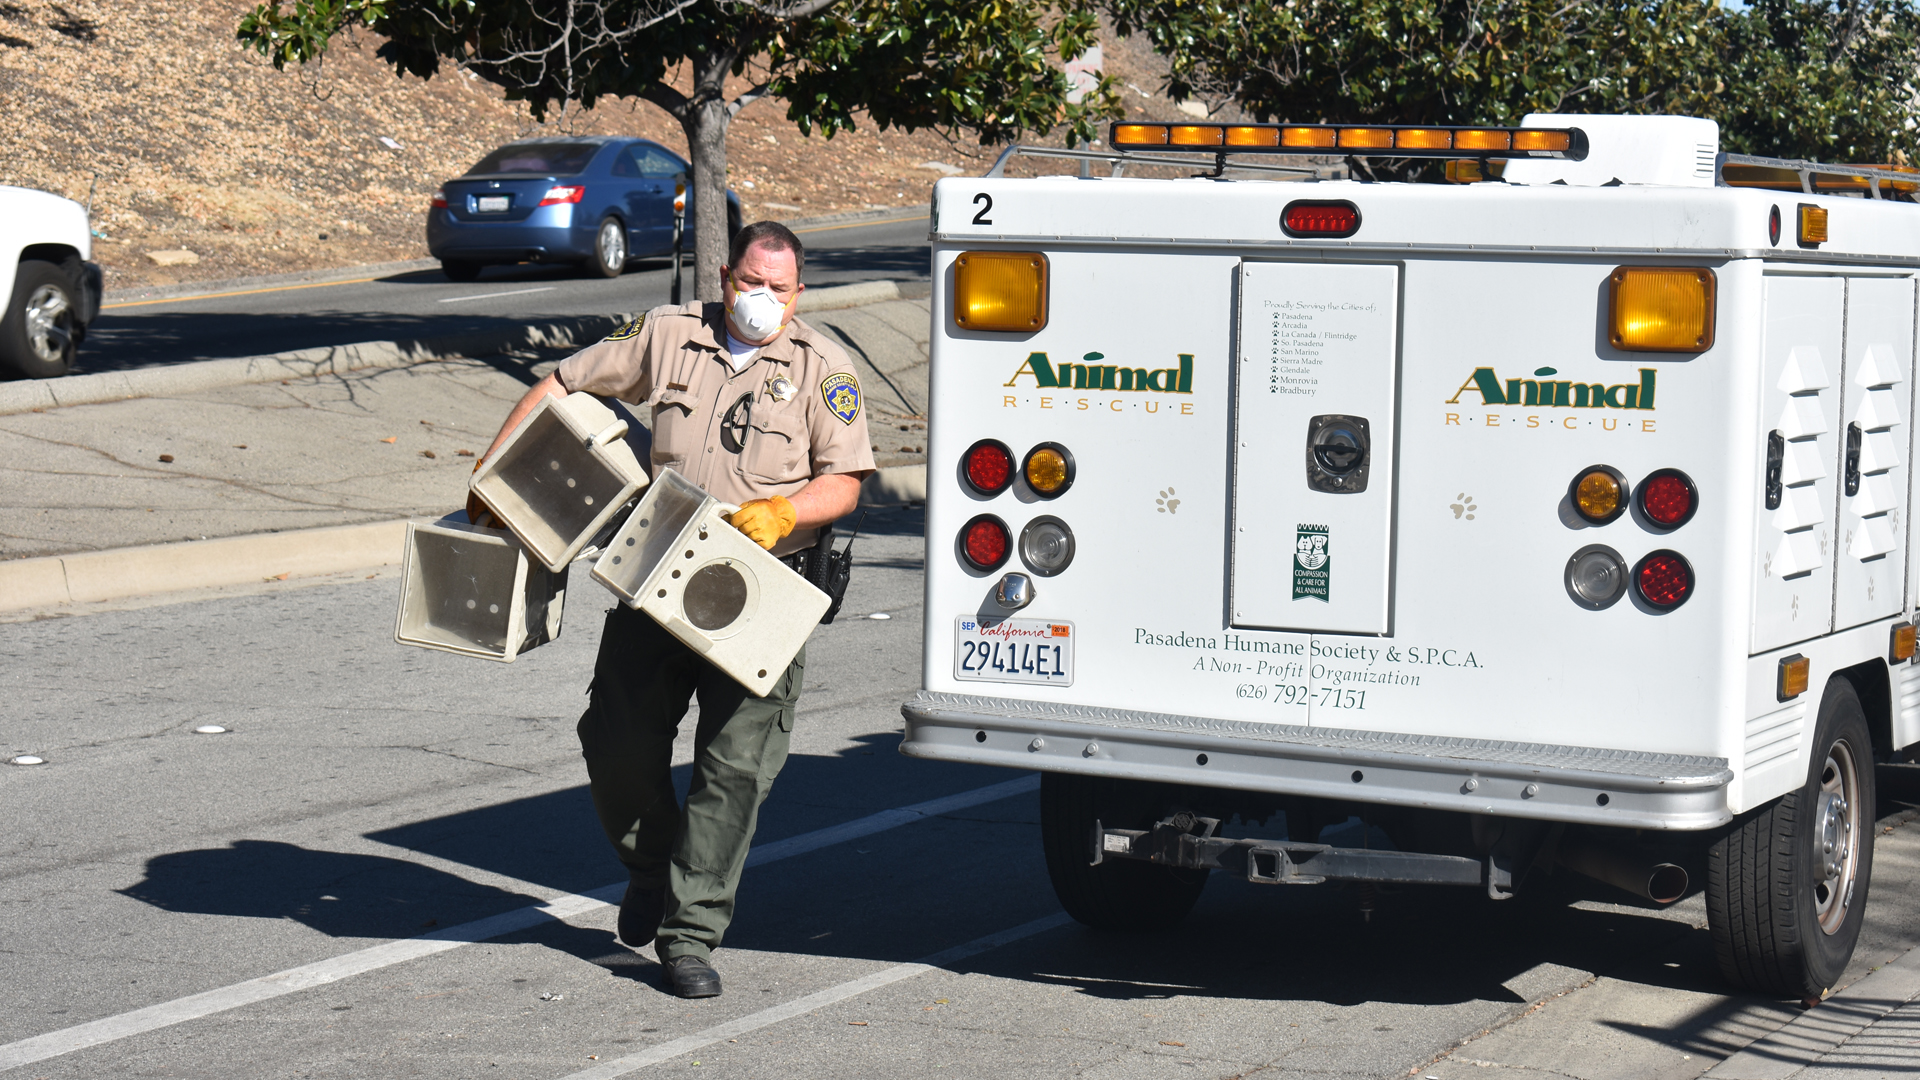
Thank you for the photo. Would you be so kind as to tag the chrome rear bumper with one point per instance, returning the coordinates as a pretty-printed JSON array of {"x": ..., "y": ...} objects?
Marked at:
[{"x": 1526, "y": 780}]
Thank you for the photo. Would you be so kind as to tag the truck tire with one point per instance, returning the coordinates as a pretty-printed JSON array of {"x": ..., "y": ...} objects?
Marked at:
[
  {"x": 38, "y": 329},
  {"x": 1787, "y": 882},
  {"x": 1120, "y": 894}
]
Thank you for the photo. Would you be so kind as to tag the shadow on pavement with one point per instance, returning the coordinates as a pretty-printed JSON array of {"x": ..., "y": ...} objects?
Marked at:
[
  {"x": 339, "y": 894},
  {"x": 160, "y": 339},
  {"x": 909, "y": 892}
]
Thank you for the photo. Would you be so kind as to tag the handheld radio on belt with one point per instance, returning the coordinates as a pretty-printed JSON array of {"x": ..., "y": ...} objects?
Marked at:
[{"x": 826, "y": 569}]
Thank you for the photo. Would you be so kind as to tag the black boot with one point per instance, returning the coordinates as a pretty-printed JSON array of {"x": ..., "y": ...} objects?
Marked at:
[
  {"x": 640, "y": 911},
  {"x": 693, "y": 977}
]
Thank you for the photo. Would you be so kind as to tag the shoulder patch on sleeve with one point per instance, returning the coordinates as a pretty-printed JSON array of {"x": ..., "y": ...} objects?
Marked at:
[
  {"x": 630, "y": 330},
  {"x": 841, "y": 391}
]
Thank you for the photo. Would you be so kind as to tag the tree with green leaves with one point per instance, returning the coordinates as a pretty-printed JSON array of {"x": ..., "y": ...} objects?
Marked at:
[
  {"x": 987, "y": 67},
  {"x": 1829, "y": 79}
]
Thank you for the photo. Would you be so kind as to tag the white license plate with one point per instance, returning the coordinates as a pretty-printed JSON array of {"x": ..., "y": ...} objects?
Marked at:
[
  {"x": 492, "y": 204},
  {"x": 1013, "y": 650}
]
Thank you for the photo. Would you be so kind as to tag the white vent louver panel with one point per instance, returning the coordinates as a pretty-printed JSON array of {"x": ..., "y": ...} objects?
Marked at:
[
  {"x": 1798, "y": 553},
  {"x": 1802, "y": 418},
  {"x": 1799, "y": 509},
  {"x": 1804, "y": 371},
  {"x": 1870, "y": 538}
]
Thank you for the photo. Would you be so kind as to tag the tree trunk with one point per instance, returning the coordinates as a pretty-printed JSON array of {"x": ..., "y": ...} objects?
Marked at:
[{"x": 705, "y": 120}]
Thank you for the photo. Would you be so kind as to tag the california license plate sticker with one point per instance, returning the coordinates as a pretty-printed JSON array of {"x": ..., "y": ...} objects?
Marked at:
[{"x": 1013, "y": 650}]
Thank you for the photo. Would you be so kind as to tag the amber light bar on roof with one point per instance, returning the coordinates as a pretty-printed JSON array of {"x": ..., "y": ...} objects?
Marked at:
[{"x": 1336, "y": 139}]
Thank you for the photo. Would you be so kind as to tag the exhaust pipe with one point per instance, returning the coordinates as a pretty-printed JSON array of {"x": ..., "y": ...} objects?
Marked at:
[{"x": 1660, "y": 882}]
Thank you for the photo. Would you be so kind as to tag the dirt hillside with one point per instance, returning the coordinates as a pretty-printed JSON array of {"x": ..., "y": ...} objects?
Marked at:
[{"x": 189, "y": 142}]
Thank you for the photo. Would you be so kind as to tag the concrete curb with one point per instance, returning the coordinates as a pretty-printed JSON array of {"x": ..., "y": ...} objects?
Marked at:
[
  {"x": 901, "y": 485},
  {"x": 1822, "y": 1029},
  {"x": 139, "y": 294},
  {"x": 567, "y": 332},
  {"x": 856, "y": 217},
  {"x": 198, "y": 564},
  {"x": 121, "y": 573}
]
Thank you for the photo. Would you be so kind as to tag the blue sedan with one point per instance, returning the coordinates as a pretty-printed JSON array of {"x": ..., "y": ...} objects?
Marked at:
[{"x": 594, "y": 201}]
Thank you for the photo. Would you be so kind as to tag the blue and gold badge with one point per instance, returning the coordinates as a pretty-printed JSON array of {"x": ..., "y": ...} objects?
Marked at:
[
  {"x": 842, "y": 394},
  {"x": 630, "y": 330}
]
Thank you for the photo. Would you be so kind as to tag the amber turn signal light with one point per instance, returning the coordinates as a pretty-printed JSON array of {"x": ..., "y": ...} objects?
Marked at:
[
  {"x": 1000, "y": 291},
  {"x": 1598, "y": 494},
  {"x": 1813, "y": 225},
  {"x": 1661, "y": 308},
  {"x": 1794, "y": 671},
  {"x": 1048, "y": 469},
  {"x": 1901, "y": 648}
]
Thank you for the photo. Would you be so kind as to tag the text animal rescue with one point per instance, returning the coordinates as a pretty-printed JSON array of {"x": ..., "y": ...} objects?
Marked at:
[
  {"x": 1541, "y": 393},
  {"x": 1092, "y": 375}
]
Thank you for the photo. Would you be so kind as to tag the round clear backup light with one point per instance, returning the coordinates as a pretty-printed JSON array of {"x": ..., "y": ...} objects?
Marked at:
[
  {"x": 1046, "y": 545},
  {"x": 1596, "y": 577}
]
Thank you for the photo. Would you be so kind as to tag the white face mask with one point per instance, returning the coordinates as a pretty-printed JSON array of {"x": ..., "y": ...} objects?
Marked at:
[{"x": 758, "y": 313}]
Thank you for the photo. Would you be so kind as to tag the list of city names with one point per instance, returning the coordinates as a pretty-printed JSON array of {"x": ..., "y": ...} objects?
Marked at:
[{"x": 1299, "y": 333}]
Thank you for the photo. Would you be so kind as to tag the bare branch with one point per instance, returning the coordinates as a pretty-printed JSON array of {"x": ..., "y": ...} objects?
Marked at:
[
  {"x": 746, "y": 99},
  {"x": 791, "y": 9}
]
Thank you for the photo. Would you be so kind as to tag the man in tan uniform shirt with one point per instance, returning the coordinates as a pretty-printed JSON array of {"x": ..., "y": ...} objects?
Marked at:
[{"x": 760, "y": 410}]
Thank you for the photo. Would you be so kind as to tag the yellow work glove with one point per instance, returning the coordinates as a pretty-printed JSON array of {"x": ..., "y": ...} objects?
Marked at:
[
  {"x": 765, "y": 521},
  {"x": 478, "y": 512}
]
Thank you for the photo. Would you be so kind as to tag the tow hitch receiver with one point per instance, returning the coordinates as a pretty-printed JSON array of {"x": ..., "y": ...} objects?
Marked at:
[{"x": 1188, "y": 842}]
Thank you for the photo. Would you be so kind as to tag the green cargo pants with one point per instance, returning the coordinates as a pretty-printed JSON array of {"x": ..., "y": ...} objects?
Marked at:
[{"x": 642, "y": 681}]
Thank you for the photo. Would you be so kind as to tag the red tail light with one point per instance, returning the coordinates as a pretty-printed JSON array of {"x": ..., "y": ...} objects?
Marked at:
[
  {"x": 561, "y": 193},
  {"x": 985, "y": 542},
  {"x": 439, "y": 200},
  {"x": 1664, "y": 579},
  {"x": 1668, "y": 498},
  {"x": 989, "y": 466},
  {"x": 1335, "y": 219}
]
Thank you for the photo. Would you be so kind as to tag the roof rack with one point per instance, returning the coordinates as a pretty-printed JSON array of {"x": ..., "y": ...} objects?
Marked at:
[
  {"x": 1215, "y": 164},
  {"x": 1815, "y": 178}
]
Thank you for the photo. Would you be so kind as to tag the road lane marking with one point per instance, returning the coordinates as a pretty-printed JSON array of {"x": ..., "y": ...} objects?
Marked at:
[
  {"x": 491, "y": 295},
  {"x": 560, "y": 908},
  {"x": 667, "y": 1051},
  {"x": 243, "y": 292}
]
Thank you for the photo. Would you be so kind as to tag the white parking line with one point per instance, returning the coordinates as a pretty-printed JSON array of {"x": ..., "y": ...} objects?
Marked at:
[
  {"x": 491, "y": 295},
  {"x": 566, "y": 906},
  {"x": 667, "y": 1051}
]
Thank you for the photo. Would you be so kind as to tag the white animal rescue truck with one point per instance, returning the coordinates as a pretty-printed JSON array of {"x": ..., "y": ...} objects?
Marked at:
[{"x": 1557, "y": 516}]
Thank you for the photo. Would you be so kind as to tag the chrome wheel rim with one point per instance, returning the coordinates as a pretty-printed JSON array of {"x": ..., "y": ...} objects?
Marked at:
[
  {"x": 49, "y": 323},
  {"x": 613, "y": 246},
  {"x": 1837, "y": 831}
]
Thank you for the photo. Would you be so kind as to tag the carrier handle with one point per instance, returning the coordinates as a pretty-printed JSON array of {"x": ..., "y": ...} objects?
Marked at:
[{"x": 615, "y": 430}]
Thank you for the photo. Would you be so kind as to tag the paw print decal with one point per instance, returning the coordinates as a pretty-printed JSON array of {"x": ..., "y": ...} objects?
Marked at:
[
  {"x": 1166, "y": 503},
  {"x": 1464, "y": 508}
]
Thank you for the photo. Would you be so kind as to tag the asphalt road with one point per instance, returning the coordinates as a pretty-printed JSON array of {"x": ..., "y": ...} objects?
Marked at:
[
  {"x": 421, "y": 304},
  {"x": 367, "y": 797}
]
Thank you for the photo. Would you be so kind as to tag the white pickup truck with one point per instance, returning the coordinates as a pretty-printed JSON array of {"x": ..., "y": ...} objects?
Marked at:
[
  {"x": 52, "y": 292},
  {"x": 1558, "y": 517}
]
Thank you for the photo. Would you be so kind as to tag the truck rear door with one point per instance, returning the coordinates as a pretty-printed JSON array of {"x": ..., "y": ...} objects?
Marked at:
[{"x": 1314, "y": 447}]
